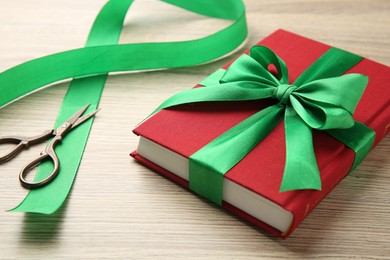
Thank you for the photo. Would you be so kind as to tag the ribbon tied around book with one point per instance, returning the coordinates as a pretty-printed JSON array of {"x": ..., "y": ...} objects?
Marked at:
[{"x": 321, "y": 98}]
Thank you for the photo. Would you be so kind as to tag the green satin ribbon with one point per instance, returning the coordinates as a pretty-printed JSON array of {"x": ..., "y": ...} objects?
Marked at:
[
  {"x": 102, "y": 55},
  {"x": 319, "y": 99}
]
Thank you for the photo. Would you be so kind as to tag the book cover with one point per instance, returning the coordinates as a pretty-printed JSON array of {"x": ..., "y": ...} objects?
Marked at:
[{"x": 185, "y": 129}]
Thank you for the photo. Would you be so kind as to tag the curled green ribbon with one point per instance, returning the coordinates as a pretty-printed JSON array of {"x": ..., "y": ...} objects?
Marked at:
[
  {"x": 89, "y": 66},
  {"x": 319, "y": 99}
]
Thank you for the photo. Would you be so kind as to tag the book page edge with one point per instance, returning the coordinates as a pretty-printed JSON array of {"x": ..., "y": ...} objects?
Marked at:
[{"x": 233, "y": 193}]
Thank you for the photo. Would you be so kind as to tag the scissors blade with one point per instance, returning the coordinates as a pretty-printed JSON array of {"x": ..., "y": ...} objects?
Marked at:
[
  {"x": 82, "y": 119},
  {"x": 74, "y": 121},
  {"x": 71, "y": 120}
]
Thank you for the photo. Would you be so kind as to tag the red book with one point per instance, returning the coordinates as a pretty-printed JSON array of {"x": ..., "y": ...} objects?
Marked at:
[{"x": 251, "y": 188}]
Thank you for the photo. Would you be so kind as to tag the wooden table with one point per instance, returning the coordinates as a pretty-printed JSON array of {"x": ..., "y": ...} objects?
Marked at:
[{"x": 118, "y": 208}]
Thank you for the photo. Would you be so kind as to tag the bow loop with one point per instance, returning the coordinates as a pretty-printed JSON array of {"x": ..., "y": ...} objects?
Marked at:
[
  {"x": 343, "y": 91},
  {"x": 265, "y": 57},
  {"x": 329, "y": 103},
  {"x": 321, "y": 116},
  {"x": 247, "y": 69}
]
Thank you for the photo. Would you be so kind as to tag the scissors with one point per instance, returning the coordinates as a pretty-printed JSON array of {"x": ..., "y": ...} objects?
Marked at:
[{"x": 49, "y": 153}]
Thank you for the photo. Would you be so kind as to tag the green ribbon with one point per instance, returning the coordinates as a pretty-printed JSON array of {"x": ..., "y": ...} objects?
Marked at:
[
  {"x": 318, "y": 99},
  {"x": 90, "y": 66}
]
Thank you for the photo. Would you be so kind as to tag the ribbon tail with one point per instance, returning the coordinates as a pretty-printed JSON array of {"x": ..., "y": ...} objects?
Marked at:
[
  {"x": 105, "y": 30},
  {"x": 301, "y": 170},
  {"x": 209, "y": 164},
  {"x": 221, "y": 92}
]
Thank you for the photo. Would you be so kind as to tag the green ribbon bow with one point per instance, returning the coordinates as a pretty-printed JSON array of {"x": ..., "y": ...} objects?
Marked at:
[{"x": 319, "y": 99}]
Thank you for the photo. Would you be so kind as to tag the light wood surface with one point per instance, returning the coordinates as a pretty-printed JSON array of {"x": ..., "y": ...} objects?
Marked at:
[{"x": 119, "y": 209}]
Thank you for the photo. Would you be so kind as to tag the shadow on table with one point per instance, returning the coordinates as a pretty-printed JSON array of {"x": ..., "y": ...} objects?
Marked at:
[
  {"x": 41, "y": 228},
  {"x": 331, "y": 222},
  {"x": 328, "y": 228}
]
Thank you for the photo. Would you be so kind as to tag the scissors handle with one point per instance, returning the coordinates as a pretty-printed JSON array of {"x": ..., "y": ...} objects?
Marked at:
[
  {"x": 47, "y": 154},
  {"x": 22, "y": 143}
]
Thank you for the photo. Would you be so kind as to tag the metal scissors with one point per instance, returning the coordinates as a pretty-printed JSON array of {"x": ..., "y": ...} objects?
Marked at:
[{"x": 49, "y": 153}]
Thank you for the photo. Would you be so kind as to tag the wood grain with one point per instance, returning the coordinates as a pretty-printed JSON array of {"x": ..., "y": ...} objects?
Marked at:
[{"x": 120, "y": 210}]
